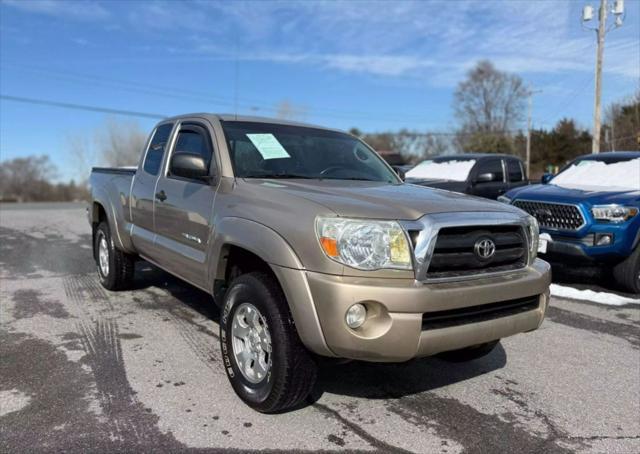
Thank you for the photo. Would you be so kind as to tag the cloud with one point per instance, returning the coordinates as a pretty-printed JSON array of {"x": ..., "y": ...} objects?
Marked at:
[
  {"x": 65, "y": 9},
  {"x": 437, "y": 41}
]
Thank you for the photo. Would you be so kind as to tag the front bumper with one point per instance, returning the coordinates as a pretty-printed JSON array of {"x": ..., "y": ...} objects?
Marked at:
[{"x": 394, "y": 331}]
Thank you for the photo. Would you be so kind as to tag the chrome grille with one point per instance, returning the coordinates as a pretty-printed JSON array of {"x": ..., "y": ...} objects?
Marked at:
[
  {"x": 558, "y": 216},
  {"x": 454, "y": 254}
]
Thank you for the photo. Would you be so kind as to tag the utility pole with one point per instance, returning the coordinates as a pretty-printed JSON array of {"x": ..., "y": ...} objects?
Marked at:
[
  {"x": 530, "y": 93},
  {"x": 601, "y": 31},
  {"x": 602, "y": 22}
]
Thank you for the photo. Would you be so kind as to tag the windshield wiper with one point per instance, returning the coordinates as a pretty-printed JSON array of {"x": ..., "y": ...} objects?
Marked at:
[
  {"x": 350, "y": 179},
  {"x": 276, "y": 176}
]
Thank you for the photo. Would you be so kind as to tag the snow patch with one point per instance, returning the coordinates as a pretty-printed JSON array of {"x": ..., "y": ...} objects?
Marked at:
[
  {"x": 598, "y": 175},
  {"x": 610, "y": 299},
  {"x": 12, "y": 400},
  {"x": 446, "y": 170}
]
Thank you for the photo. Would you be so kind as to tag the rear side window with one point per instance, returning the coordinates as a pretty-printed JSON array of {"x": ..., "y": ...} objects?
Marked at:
[
  {"x": 514, "y": 168},
  {"x": 494, "y": 166},
  {"x": 157, "y": 147},
  {"x": 193, "y": 141}
]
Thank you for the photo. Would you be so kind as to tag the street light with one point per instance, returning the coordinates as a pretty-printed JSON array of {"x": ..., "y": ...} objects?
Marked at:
[{"x": 601, "y": 30}]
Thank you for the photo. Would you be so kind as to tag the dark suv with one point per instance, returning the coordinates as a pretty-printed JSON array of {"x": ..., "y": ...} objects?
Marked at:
[{"x": 483, "y": 174}]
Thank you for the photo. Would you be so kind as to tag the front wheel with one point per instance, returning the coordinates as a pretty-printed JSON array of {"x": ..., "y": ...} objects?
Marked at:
[
  {"x": 469, "y": 353},
  {"x": 627, "y": 273},
  {"x": 115, "y": 268},
  {"x": 266, "y": 363}
]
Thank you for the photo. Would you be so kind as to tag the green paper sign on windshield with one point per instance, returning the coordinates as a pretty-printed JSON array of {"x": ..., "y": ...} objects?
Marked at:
[{"x": 268, "y": 146}]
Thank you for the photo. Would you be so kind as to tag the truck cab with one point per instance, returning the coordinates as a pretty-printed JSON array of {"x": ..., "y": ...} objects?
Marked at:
[{"x": 486, "y": 175}]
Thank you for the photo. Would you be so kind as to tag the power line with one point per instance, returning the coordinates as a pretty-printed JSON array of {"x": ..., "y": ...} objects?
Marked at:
[
  {"x": 67, "y": 105},
  {"x": 133, "y": 113}
]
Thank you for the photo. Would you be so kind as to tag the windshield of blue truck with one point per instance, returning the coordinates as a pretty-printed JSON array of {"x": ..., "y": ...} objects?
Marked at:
[
  {"x": 266, "y": 150},
  {"x": 623, "y": 174}
]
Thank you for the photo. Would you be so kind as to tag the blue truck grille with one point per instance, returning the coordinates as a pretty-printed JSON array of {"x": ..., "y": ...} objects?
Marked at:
[{"x": 558, "y": 216}]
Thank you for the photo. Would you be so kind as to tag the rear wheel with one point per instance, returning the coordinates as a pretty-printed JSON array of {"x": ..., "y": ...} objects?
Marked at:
[
  {"x": 265, "y": 360},
  {"x": 469, "y": 353},
  {"x": 627, "y": 273},
  {"x": 115, "y": 268}
]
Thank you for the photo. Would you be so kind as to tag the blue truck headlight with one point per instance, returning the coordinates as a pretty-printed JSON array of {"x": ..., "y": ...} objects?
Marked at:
[{"x": 613, "y": 213}]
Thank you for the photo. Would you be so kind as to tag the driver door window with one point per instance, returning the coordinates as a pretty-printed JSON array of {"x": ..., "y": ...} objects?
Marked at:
[
  {"x": 496, "y": 186},
  {"x": 193, "y": 139},
  {"x": 493, "y": 166}
]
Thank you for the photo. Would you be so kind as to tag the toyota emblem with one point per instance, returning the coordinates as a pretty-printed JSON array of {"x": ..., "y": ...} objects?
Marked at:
[{"x": 484, "y": 248}]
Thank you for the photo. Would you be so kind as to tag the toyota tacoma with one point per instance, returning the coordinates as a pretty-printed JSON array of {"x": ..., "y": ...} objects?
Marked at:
[
  {"x": 589, "y": 211},
  {"x": 313, "y": 247}
]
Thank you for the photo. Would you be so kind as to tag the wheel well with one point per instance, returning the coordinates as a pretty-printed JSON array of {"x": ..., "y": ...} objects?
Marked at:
[{"x": 234, "y": 262}]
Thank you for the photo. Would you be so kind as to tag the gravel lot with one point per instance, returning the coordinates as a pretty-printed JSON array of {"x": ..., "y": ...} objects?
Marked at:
[{"x": 83, "y": 369}]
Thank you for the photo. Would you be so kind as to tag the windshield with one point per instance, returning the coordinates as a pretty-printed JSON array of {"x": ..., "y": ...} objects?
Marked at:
[
  {"x": 266, "y": 150},
  {"x": 598, "y": 175},
  {"x": 450, "y": 169}
]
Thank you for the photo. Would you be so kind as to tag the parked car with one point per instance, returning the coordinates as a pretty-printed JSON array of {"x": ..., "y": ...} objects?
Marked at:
[
  {"x": 482, "y": 174},
  {"x": 590, "y": 211},
  {"x": 313, "y": 247}
]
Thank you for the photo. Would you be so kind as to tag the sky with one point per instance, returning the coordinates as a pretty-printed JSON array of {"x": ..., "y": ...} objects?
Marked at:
[{"x": 374, "y": 65}]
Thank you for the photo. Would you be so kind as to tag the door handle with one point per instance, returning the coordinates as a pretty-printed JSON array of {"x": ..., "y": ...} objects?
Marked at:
[{"x": 161, "y": 196}]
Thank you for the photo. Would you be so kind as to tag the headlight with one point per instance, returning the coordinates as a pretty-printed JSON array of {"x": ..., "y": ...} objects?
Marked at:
[
  {"x": 613, "y": 213},
  {"x": 533, "y": 232},
  {"x": 504, "y": 199},
  {"x": 364, "y": 244}
]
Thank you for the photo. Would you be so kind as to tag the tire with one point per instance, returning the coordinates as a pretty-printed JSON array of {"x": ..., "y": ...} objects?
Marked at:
[
  {"x": 469, "y": 353},
  {"x": 627, "y": 272},
  {"x": 290, "y": 371},
  {"x": 118, "y": 273}
]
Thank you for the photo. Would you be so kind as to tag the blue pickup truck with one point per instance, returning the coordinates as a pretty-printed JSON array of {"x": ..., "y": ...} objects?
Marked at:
[{"x": 589, "y": 211}]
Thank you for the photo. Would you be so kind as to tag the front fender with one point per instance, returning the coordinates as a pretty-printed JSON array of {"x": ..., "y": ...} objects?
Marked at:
[
  {"x": 263, "y": 241},
  {"x": 267, "y": 244}
]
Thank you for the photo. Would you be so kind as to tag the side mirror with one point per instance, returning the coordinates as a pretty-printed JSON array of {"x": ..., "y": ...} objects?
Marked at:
[
  {"x": 400, "y": 172},
  {"x": 188, "y": 165},
  {"x": 546, "y": 178},
  {"x": 485, "y": 178}
]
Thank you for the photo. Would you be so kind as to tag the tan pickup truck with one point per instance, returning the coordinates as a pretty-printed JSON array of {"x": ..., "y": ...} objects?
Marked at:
[{"x": 313, "y": 247}]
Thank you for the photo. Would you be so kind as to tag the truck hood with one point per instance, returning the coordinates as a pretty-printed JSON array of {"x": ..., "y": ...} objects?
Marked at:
[
  {"x": 553, "y": 193},
  {"x": 375, "y": 200},
  {"x": 449, "y": 185}
]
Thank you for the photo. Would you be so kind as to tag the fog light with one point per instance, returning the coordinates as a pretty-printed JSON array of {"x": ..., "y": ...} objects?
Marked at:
[
  {"x": 356, "y": 315},
  {"x": 603, "y": 239}
]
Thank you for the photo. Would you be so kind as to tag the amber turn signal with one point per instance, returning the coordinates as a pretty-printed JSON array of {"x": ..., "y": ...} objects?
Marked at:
[{"x": 330, "y": 246}]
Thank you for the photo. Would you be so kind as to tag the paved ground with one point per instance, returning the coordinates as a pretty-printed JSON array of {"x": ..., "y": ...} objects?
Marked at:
[{"x": 85, "y": 369}]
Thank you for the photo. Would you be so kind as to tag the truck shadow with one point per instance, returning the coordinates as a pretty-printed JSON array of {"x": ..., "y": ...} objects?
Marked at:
[
  {"x": 591, "y": 277},
  {"x": 396, "y": 380},
  {"x": 148, "y": 275},
  {"x": 355, "y": 378}
]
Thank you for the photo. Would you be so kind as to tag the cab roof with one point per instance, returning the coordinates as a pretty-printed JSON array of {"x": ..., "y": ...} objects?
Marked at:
[{"x": 250, "y": 118}]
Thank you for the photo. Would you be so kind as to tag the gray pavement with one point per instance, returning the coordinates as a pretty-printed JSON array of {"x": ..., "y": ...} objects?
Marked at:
[{"x": 84, "y": 369}]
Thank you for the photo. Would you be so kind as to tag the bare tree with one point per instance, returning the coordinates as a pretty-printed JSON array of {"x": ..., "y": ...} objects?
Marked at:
[
  {"x": 26, "y": 178},
  {"x": 120, "y": 143},
  {"x": 621, "y": 130},
  {"x": 84, "y": 155},
  {"x": 488, "y": 105},
  {"x": 286, "y": 110},
  {"x": 117, "y": 143}
]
